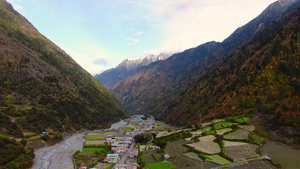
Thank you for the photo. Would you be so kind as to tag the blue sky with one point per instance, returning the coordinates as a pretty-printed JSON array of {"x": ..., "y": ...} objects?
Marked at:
[{"x": 100, "y": 34}]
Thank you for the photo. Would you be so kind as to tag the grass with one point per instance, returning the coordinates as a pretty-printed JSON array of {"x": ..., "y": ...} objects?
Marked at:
[
  {"x": 210, "y": 132},
  {"x": 205, "y": 129},
  {"x": 242, "y": 120},
  {"x": 216, "y": 158},
  {"x": 100, "y": 133},
  {"x": 158, "y": 127},
  {"x": 218, "y": 126},
  {"x": 164, "y": 165},
  {"x": 255, "y": 138},
  {"x": 92, "y": 149},
  {"x": 128, "y": 128},
  {"x": 94, "y": 138}
]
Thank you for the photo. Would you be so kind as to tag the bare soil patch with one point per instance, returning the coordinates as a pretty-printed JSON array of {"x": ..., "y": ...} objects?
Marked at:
[
  {"x": 176, "y": 148},
  {"x": 249, "y": 128},
  {"x": 206, "y": 147},
  {"x": 223, "y": 131},
  {"x": 240, "y": 150},
  {"x": 239, "y": 134}
]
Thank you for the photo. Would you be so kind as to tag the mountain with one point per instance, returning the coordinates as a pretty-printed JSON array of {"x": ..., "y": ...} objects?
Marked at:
[
  {"x": 44, "y": 88},
  {"x": 160, "y": 88},
  {"x": 126, "y": 68},
  {"x": 261, "y": 76}
]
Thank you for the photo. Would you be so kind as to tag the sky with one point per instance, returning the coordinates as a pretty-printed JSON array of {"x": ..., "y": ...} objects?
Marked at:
[{"x": 100, "y": 34}]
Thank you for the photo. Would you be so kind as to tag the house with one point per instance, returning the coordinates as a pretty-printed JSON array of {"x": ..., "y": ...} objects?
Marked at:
[
  {"x": 121, "y": 166},
  {"x": 132, "y": 165},
  {"x": 128, "y": 132},
  {"x": 115, "y": 145},
  {"x": 110, "y": 139},
  {"x": 154, "y": 147},
  {"x": 83, "y": 167},
  {"x": 112, "y": 158},
  {"x": 166, "y": 156},
  {"x": 134, "y": 153},
  {"x": 44, "y": 132}
]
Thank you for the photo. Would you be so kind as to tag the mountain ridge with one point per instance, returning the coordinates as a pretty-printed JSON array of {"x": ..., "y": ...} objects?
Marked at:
[
  {"x": 127, "y": 67},
  {"x": 151, "y": 90}
]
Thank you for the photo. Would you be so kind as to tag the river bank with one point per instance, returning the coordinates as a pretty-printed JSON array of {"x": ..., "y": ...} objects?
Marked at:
[
  {"x": 60, "y": 155},
  {"x": 282, "y": 154}
]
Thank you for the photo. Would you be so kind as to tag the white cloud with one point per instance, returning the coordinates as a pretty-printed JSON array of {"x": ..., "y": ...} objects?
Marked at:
[
  {"x": 101, "y": 62},
  {"x": 189, "y": 23},
  {"x": 91, "y": 57},
  {"x": 139, "y": 33},
  {"x": 18, "y": 7},
  {"x": 132, "y": 41}
]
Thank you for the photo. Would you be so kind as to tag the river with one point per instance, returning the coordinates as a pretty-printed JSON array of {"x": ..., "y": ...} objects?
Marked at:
[
  {"x": 60, "y": 155},
  {"x": 282, "y": 154}
]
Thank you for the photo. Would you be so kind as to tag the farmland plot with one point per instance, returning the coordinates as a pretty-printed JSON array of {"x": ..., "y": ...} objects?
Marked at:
[
  {"x": 206, "y": 147},
  {"x": 216, "y": 158},
  {"x": 249, "y": 128},
  {"x": 176, "y": 148},
  {"x": 209, "y": 138},
  {"x": 193, "y": 156},
  {"x": 196, "y": 132},
  {"x": 223, "y": 131},
  {"x": 239, "y": 134},
  {"x": 240, "y": 150}
]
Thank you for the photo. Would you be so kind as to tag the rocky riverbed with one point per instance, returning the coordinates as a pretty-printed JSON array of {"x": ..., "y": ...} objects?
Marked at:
[{"x": 60, "y": 155}]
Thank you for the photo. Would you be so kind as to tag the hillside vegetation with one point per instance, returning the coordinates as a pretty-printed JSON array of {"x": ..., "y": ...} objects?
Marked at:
[
  {"x": 42, "y": 87},
  {"x": 261, "y": 76}
]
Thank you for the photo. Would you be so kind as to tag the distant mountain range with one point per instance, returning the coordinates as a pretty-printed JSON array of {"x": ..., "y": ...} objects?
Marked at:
[
  {"x": 112, "y": 76},
  {"x": 219, "y": 79}
]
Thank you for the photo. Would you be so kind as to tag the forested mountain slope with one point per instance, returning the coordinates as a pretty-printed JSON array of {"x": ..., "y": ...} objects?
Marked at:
[
  {"x": 261, "y": 76},
  {"x": 42, "y": 87},
  {"x": 154, "y": 89}
]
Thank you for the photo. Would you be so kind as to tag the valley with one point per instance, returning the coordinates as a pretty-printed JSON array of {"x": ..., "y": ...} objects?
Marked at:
[
  {"x": 229, "y": 104},
  {"x": 229, "y": 143}
]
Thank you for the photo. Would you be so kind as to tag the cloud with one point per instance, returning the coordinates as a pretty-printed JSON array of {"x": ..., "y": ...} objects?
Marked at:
[
  {"x": 18, "y": 7},
  {"x": 101, "y": 62},
  {"x": 189, "y": 23},
  {"x": 132, "y": 41},
  {"x": 139, "y": 33},
  {"x": 89, "y": 57}
]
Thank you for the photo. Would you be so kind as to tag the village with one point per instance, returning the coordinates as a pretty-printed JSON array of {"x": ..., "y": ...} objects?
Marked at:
[
  {"x": 117, "y": 142},
  {"x": 145, "y": 143}
]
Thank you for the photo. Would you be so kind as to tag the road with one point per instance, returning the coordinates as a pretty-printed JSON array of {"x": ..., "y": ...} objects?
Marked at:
[{"x": 123, "y": 159}]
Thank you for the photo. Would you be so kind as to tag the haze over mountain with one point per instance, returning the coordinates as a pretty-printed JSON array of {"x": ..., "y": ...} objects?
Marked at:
[
  {"x": 110, "y": 77},
  {"x": 181, "y": 89}
]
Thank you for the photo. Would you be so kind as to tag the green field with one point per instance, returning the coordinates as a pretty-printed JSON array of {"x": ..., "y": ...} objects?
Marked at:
[
  {"x": 92, "y": 149},
  {"x": 94, "y": 138},
  {"x": 162, "y": 165},
  {"x": 158, "y": 127},
  {"x": 127, "y": 128},
  {"x": 216, "y": 158}
]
